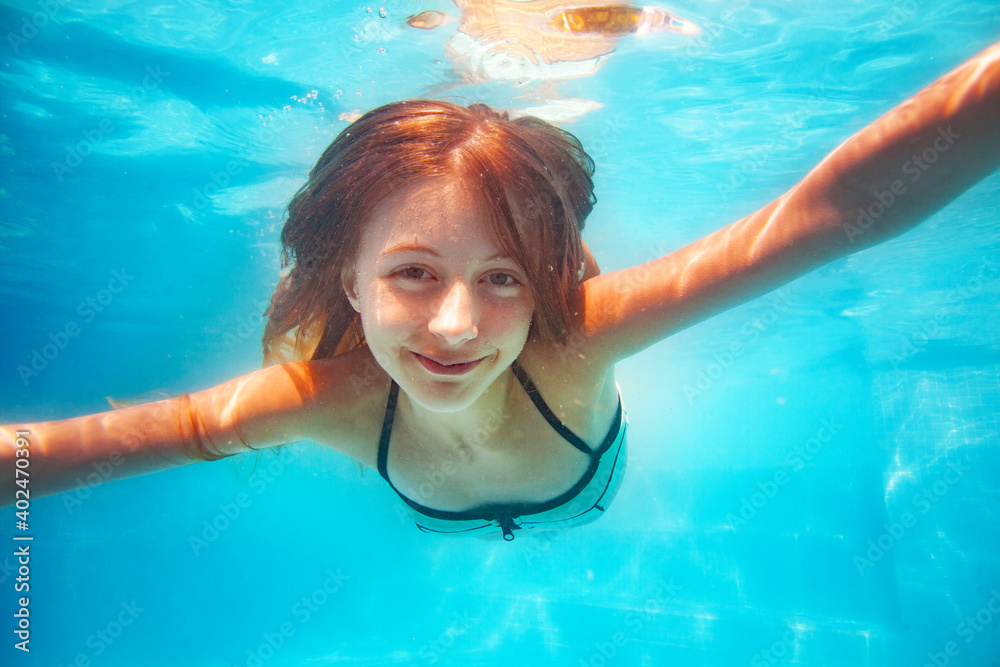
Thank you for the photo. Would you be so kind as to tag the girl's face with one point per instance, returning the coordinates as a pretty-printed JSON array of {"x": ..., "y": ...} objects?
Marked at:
[{"x": 444, "y": 311}]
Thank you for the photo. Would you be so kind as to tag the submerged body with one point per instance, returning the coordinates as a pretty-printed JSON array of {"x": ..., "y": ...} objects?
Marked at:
[
  {"x": 581, "y": 503},
  {"x": 466, "y": 265},
  {"x": 447, "y": 314}
]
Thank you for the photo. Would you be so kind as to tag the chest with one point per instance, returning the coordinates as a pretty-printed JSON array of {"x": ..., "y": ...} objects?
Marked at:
[{"x": 516, "y": 457}]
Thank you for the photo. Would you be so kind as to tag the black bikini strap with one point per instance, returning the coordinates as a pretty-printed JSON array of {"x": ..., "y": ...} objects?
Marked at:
[
  {"x": 536, "y": 398},
  {"x": 383, "y": 443}
]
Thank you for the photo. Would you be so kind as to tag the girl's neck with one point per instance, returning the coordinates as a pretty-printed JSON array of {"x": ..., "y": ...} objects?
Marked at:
[{"x": 475, "y": 426}]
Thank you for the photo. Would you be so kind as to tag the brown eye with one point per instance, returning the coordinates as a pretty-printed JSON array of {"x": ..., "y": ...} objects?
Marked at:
[
  {"x": 414, "y": 272},
  {"x": 502, "y": 280}
]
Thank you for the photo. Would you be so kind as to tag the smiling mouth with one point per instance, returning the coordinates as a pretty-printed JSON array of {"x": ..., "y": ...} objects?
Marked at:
[{"x": 447, "y": 369}]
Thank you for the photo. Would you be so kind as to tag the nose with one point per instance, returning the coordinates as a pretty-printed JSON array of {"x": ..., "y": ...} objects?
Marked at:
[{"x": 455, "y": 320}]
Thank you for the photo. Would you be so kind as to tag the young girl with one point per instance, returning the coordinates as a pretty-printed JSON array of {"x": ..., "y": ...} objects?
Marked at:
[{"x": 443, "y": 322}]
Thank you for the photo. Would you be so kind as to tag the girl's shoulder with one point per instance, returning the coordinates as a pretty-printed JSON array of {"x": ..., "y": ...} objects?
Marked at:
[
  {"x": 349, "y": 393},
  {"x": 572, "y": 363},
  {"x": 581, "y": 391}
]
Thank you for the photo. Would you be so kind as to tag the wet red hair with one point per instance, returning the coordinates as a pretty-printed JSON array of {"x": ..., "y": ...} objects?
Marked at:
[{"x": 534, "y": 182}]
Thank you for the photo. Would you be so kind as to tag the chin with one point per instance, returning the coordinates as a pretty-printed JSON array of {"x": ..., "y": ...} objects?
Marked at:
[
  {"x": 456, "y": 400},
  {"x": 444, "y": 395}
]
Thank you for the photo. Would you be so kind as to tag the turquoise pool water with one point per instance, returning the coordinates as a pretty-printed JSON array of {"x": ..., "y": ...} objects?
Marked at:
[{"x": 825, "y": 496}]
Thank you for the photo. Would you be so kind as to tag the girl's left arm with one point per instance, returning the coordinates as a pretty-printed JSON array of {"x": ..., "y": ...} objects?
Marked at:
[{"x": 884, "y": 180}]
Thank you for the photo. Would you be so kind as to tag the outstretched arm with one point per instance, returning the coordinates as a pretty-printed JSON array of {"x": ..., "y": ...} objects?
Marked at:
[
  {"x": 884, "y": 180},
  {"x": 261, "y": 409}
]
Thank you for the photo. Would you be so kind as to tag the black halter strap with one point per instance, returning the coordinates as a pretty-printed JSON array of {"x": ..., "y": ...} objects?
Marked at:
[{"x": 536, "y": 398}]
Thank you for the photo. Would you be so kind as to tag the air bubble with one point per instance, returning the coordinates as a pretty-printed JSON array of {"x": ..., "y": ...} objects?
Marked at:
[
  {"x": 382, "y": 13},
  {"x": 381, "y": 50}
]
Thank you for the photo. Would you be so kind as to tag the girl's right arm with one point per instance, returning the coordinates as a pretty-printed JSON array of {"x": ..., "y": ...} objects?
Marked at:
[
  {"x": 262, "y": 409},
  {"x": 882, "y": 181}
]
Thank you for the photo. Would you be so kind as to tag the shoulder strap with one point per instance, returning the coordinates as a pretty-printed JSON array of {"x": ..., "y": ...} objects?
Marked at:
[
  {"x": 543, "y": 408},
  {"x": 383, "y": 443}
]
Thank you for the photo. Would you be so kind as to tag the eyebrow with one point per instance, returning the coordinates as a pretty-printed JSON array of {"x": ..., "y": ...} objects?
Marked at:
[
  {"x": 413, "y": 247},
  {"x": 408, "y": 247}
]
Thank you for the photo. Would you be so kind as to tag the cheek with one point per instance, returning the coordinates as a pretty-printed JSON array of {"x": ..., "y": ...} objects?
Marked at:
[
  {"x": 391, "y": 314},
  {"x": 509, "y": 321}
]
